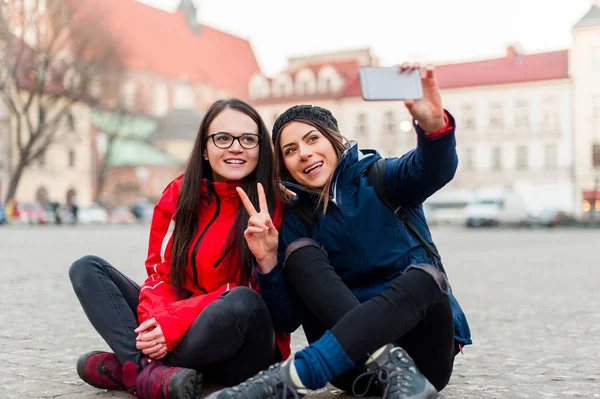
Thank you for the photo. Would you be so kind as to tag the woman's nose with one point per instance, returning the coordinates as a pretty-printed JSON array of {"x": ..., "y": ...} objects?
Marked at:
[
  {"x": 305, "y": 153},
  {"x": 236, "y": 147}
]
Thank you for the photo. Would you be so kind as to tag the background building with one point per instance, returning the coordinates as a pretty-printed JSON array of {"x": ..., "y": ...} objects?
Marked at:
[{"x": 526, "y": 122}]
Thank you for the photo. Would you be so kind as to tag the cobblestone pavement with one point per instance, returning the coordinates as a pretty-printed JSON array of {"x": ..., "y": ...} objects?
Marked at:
[{"x": 531, "y": 296}]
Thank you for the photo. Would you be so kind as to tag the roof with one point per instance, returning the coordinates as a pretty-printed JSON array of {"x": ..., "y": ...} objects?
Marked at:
[
  {"x": 530, "y": 68},
  {"x": 130, "y": 126},
  {"x": 346, "y": 68},
  {"x": 591, "y": 18},
  {"x": 162, "y": 42},
  {"x": 131, "y": 147},
  {"x": 525, "y": 68},
  {"x": 179, "y": 123},
  {"x": 126, "y": 152}
]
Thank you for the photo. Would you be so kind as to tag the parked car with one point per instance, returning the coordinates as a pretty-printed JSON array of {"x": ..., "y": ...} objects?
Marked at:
[
  {"x": 32, "y": 213},
  {"x": 93, "y": 214},
  {"x": 142, "y": 210},
  {"x": 553, "y": 217},
  {"x": 121, "y": 215}
]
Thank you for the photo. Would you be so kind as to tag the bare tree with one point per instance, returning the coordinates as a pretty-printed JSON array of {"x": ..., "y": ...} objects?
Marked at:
[{"x": 56, "y": 55}]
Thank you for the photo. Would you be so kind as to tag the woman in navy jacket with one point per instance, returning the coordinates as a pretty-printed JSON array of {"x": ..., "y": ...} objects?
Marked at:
[{"x": 363, "y": 287}]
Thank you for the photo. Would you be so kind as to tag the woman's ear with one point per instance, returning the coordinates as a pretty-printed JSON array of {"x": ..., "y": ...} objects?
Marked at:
[{"x": 205, "y": 155}]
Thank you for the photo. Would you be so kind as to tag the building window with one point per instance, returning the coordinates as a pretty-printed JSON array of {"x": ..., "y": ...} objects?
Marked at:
[
  {"x": 550, "y": 112},
  {"x": 71, "y": 159},
  {"x": 160, "y": 99},
  {"x": 596, "y": 114},
  {"x": 468, "y": 117},
  {"x": 361, "y": 127},
  {"x": 522, "y": 158},
  {"x": 390, "y": 138},
  {"x": 496, "y": 116},
  {"x": 496, "y": 158},
  {"x": 128, "y": 94},
  {"x": 521, "y": 114},
  {"x": 596, "y": 58},
  {"x": 259, "y": 88},
  {"x": 550, "y": 156},
  {"x": 389, "y": 124},
  {"x": 469, "y": 159},
  {"x": 282, "y": 89},
  {"x": 305, "y": 87},
  {"x": 184, "y": 97}
]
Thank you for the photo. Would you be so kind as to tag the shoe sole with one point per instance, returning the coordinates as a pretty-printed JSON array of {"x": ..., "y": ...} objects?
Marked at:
[
  {"x": 185, "y": 384},
  {"x": 81, "y": 367},
  {"x": 430, "y": 392}
]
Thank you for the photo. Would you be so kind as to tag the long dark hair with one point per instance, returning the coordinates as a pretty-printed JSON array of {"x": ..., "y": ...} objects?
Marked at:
[
  {"x": 340, "y": 144},
  {"x": 189, "y": 201}
]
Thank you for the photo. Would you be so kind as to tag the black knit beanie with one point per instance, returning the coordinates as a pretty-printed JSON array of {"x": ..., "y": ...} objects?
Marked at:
[{"x": 306, "y": 112}]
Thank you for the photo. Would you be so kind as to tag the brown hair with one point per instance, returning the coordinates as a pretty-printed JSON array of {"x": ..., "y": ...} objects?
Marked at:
[
  {"x": 189, "y": 200},
  {"x": 340, "y": 144}
]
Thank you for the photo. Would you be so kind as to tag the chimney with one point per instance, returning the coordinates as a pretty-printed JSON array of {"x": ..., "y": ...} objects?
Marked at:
[
  {"x": 190, "y": 10},
  {"x": 514, "y": 54}
]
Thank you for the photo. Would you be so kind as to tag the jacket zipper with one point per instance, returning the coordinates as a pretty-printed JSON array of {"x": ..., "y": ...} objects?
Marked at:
[
  {"x": 218, "y": 262},
  {"x": 211, "y": 191}
]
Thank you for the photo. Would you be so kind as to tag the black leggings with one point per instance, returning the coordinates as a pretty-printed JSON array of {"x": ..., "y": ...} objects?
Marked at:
[
  {"x": 230, "y": 341},
  {"x": 414, "y": 312}
]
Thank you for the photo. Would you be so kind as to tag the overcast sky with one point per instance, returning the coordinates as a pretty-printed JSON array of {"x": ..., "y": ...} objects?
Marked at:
[{"x": 395, "y": 30}]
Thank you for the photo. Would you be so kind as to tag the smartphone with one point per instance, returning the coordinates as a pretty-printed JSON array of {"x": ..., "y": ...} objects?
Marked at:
[{"x": 390, "y": 83}]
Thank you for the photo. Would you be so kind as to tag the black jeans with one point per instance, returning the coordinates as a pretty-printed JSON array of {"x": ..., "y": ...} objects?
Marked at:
[
  {"x": 230, "y": 341},
  {"x": 414, "y": 312}
]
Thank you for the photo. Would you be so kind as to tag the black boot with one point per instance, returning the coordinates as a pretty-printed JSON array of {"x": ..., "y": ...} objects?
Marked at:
[
  {"x": 397, "y": 375},
  {"x": 275, "y": 382}
]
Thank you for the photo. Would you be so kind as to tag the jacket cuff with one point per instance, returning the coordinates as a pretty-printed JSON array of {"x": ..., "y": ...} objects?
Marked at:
[
  {"x": 449, "y": 127},
  {"x": 169, "y": 329},
  {"x": 271, "y": 280},
  {"x": 271, "y": 275}
]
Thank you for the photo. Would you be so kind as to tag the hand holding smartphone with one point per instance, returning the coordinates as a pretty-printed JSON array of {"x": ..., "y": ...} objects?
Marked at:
[{"x": 390, "y": 83}]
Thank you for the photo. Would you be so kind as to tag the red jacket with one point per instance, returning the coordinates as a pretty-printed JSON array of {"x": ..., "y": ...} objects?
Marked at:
[{"x": 206, "y": 281}]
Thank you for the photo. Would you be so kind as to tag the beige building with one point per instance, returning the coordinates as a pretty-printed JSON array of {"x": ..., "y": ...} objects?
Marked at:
[
  {"x": 524, "y": 121},
  {"x": 584, "y": 68},
  {"x": 65, "y": 169}
]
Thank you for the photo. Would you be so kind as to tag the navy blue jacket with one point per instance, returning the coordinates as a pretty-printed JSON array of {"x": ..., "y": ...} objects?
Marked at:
[{"x": 367, "y": 245}]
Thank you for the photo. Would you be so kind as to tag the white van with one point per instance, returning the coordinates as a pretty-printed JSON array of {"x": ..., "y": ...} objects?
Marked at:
[
  {"x": 447, "y": 206},
  {"x": 506, "y": 208}
]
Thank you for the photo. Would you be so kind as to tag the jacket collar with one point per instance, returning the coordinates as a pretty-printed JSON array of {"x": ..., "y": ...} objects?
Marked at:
[{"x": 224, "y": 190}]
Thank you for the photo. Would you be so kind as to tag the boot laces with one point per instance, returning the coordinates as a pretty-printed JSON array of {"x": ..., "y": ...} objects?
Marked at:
[
  {"x": 282, "y": 389},
  {"x": 400, "y": 377}
]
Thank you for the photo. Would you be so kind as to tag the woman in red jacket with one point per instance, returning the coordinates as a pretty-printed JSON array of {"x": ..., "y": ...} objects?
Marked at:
[{"x": 198, "y": 312}]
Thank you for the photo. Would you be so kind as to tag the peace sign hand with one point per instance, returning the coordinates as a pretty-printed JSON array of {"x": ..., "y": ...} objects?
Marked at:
[{"x": 261, "y": 235}]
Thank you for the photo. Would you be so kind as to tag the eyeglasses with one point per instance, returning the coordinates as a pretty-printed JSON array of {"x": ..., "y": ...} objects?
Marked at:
[{"x": 226, "y": 140}]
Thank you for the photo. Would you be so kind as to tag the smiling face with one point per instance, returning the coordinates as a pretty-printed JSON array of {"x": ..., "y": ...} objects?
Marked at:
[
  {"x": 308, "y": 155},
  {"x": 236, "y": 162}
]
